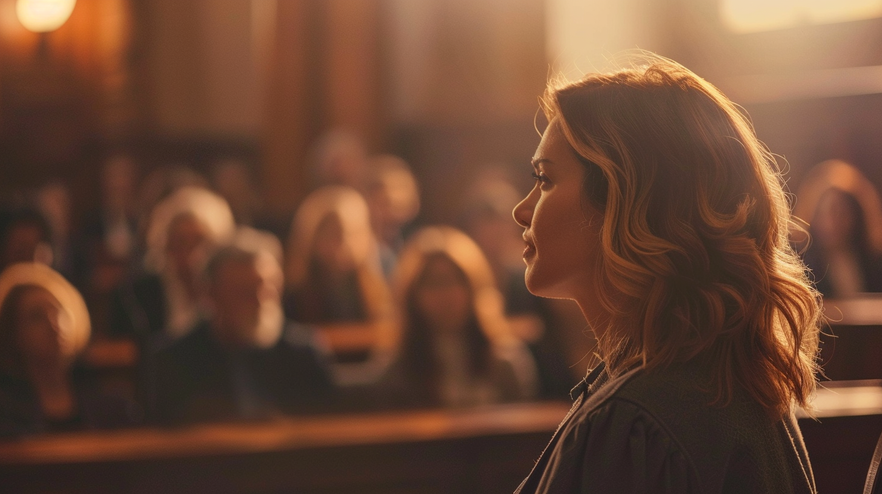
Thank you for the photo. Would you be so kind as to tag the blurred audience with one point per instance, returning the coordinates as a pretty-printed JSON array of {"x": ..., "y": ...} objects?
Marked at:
[
  {"x": 456, "y": 347},
  {"x": 844, "y": 250},
  {"x": 393, "y": 197},
  {"x": 44, "y": 325},
  {"x": 243, "y": 361},
  {"x": 193, "y": 336}
]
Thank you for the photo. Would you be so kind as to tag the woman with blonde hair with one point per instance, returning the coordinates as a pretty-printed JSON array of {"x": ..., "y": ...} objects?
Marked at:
[
  {"x": 333, "y": 274},
  {"x": 44, "y": 326},
  {"x": 659, "y": 212},
  {"x": 844, "y": 246},
  {"x": 456, "y": 348}
]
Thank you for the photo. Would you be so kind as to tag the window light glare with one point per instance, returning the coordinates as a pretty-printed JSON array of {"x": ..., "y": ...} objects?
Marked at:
[{"x": 746, "y": 16}]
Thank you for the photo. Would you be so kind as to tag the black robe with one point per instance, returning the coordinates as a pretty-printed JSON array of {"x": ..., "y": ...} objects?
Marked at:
[{"x": 657, "y": 433}]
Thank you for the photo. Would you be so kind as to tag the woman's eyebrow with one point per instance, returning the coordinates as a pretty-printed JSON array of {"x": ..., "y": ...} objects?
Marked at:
[{"x": 536, "y": 161}]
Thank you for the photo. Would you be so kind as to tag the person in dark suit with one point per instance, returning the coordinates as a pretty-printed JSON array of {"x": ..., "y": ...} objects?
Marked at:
[
  {"x": 658, "y": 211},
  {"x": 244, "y": 360}
]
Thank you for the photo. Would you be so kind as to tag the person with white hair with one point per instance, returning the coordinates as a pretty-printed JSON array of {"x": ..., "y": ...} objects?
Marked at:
[{"x": 183, "y": 229}]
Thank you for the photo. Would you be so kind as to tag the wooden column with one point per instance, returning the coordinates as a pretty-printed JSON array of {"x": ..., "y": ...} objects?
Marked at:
[
  {"x": 324, "y": 73},
  {"x": 290, "y": 106},
  {"x": 352, "y": 68}
]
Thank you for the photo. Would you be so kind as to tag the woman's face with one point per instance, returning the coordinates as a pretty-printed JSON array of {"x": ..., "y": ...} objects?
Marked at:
[
  {"x": 41, "y": 326},
  {"x": 330, "y": 248},
  {"x": 562, "y": 233},
  {"x": 835, "y": 221},
  {"x": 442, "y": 295},
  {"x": 188, "y": 243}
]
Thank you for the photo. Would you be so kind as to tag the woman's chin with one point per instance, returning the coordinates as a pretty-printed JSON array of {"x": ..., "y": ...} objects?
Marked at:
[{"x": 543, "y": 288}]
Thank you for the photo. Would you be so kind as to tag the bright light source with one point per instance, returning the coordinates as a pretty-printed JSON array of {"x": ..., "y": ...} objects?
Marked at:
[
  {"x": 746, "y": 16},
  {"x": 42, "y": 16}
]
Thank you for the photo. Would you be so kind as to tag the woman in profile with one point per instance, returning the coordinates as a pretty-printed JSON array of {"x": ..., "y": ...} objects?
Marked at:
[
  {"x": 659, "y": 212},
  {"x": 456, "y": 348}
]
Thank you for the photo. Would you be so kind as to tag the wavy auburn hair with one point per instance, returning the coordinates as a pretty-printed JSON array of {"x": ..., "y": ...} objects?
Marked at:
[{"x": 695, "y": 257}]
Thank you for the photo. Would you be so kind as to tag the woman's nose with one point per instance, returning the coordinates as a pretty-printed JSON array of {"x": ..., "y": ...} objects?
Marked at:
[{"x": 523, "y": 212}]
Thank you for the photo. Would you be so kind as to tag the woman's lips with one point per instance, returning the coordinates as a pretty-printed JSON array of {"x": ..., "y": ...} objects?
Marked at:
[{"x": 529, "y": 250}]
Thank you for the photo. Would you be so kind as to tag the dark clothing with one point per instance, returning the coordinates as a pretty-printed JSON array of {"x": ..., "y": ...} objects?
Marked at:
[
  {"x": 326, "y": 301},
  {"x": 138, "y": 311},
  {"x": 500, "y": 383},
  {"x": 21, "y": 414},
  {"x": 656, "y": 432},
  {"x": 138, "y": 308},
  {"x": 196, "y": 379}
]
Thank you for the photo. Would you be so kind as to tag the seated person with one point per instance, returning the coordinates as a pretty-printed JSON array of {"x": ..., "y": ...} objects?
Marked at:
[
  {"x": 393, "y": 197},
  {"x": 457, "y": 349},
  {"x": 334, "y": 272},
  {"x": 335, "y": 280},
  {"x": 162, "y": 303},
  {"x": 844, "y": 253},
  {"x": 44, "y": 325},
  {"x": 244, "y": 360}
]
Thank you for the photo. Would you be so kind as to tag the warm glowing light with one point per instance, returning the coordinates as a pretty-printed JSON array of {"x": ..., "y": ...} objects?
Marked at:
[
  {"x": 745, "y": 16},
  {"x": 42, "y": 16}
]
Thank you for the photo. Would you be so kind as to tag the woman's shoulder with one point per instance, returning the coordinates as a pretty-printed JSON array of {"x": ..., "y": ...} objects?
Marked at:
[
  {"x": 661, "y": 428},
  {"x": 683, "y": 400},
  {"x": 617, "y": 447}
]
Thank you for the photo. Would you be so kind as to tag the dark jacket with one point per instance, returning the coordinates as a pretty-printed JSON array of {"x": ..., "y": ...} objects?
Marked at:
[
  {"x": 196, "y": 379},
  {"x": 657, "y": 432},
  {"x": 138, "y": 307},
  {"x": 94, "y": 407}
]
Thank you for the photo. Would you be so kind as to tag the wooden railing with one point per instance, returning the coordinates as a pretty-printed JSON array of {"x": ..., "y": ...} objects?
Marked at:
[{"x": 481, "y": 450}]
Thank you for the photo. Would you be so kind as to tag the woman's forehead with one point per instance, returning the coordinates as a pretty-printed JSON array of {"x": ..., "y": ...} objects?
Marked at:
[{"x": 553, "y": 144}]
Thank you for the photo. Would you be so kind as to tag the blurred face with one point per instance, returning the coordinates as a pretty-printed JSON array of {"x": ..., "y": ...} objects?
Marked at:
[
  {"x": 343, "y": 164},
  {"x": 392, "y": 200},
  {"x": 562, "y": 233},
  {"x": 247, "y": 301},
  {"x": 41, "y": 326},
  {"x": 187, "y": 245},
  {"x": 835, "y": 221},
  {"x": 442, "y": 295},
  {"x": 330, "y": 247}
]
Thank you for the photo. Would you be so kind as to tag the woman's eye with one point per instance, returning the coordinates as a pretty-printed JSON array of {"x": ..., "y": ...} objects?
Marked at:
[{"x": 540, "y": 177}]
